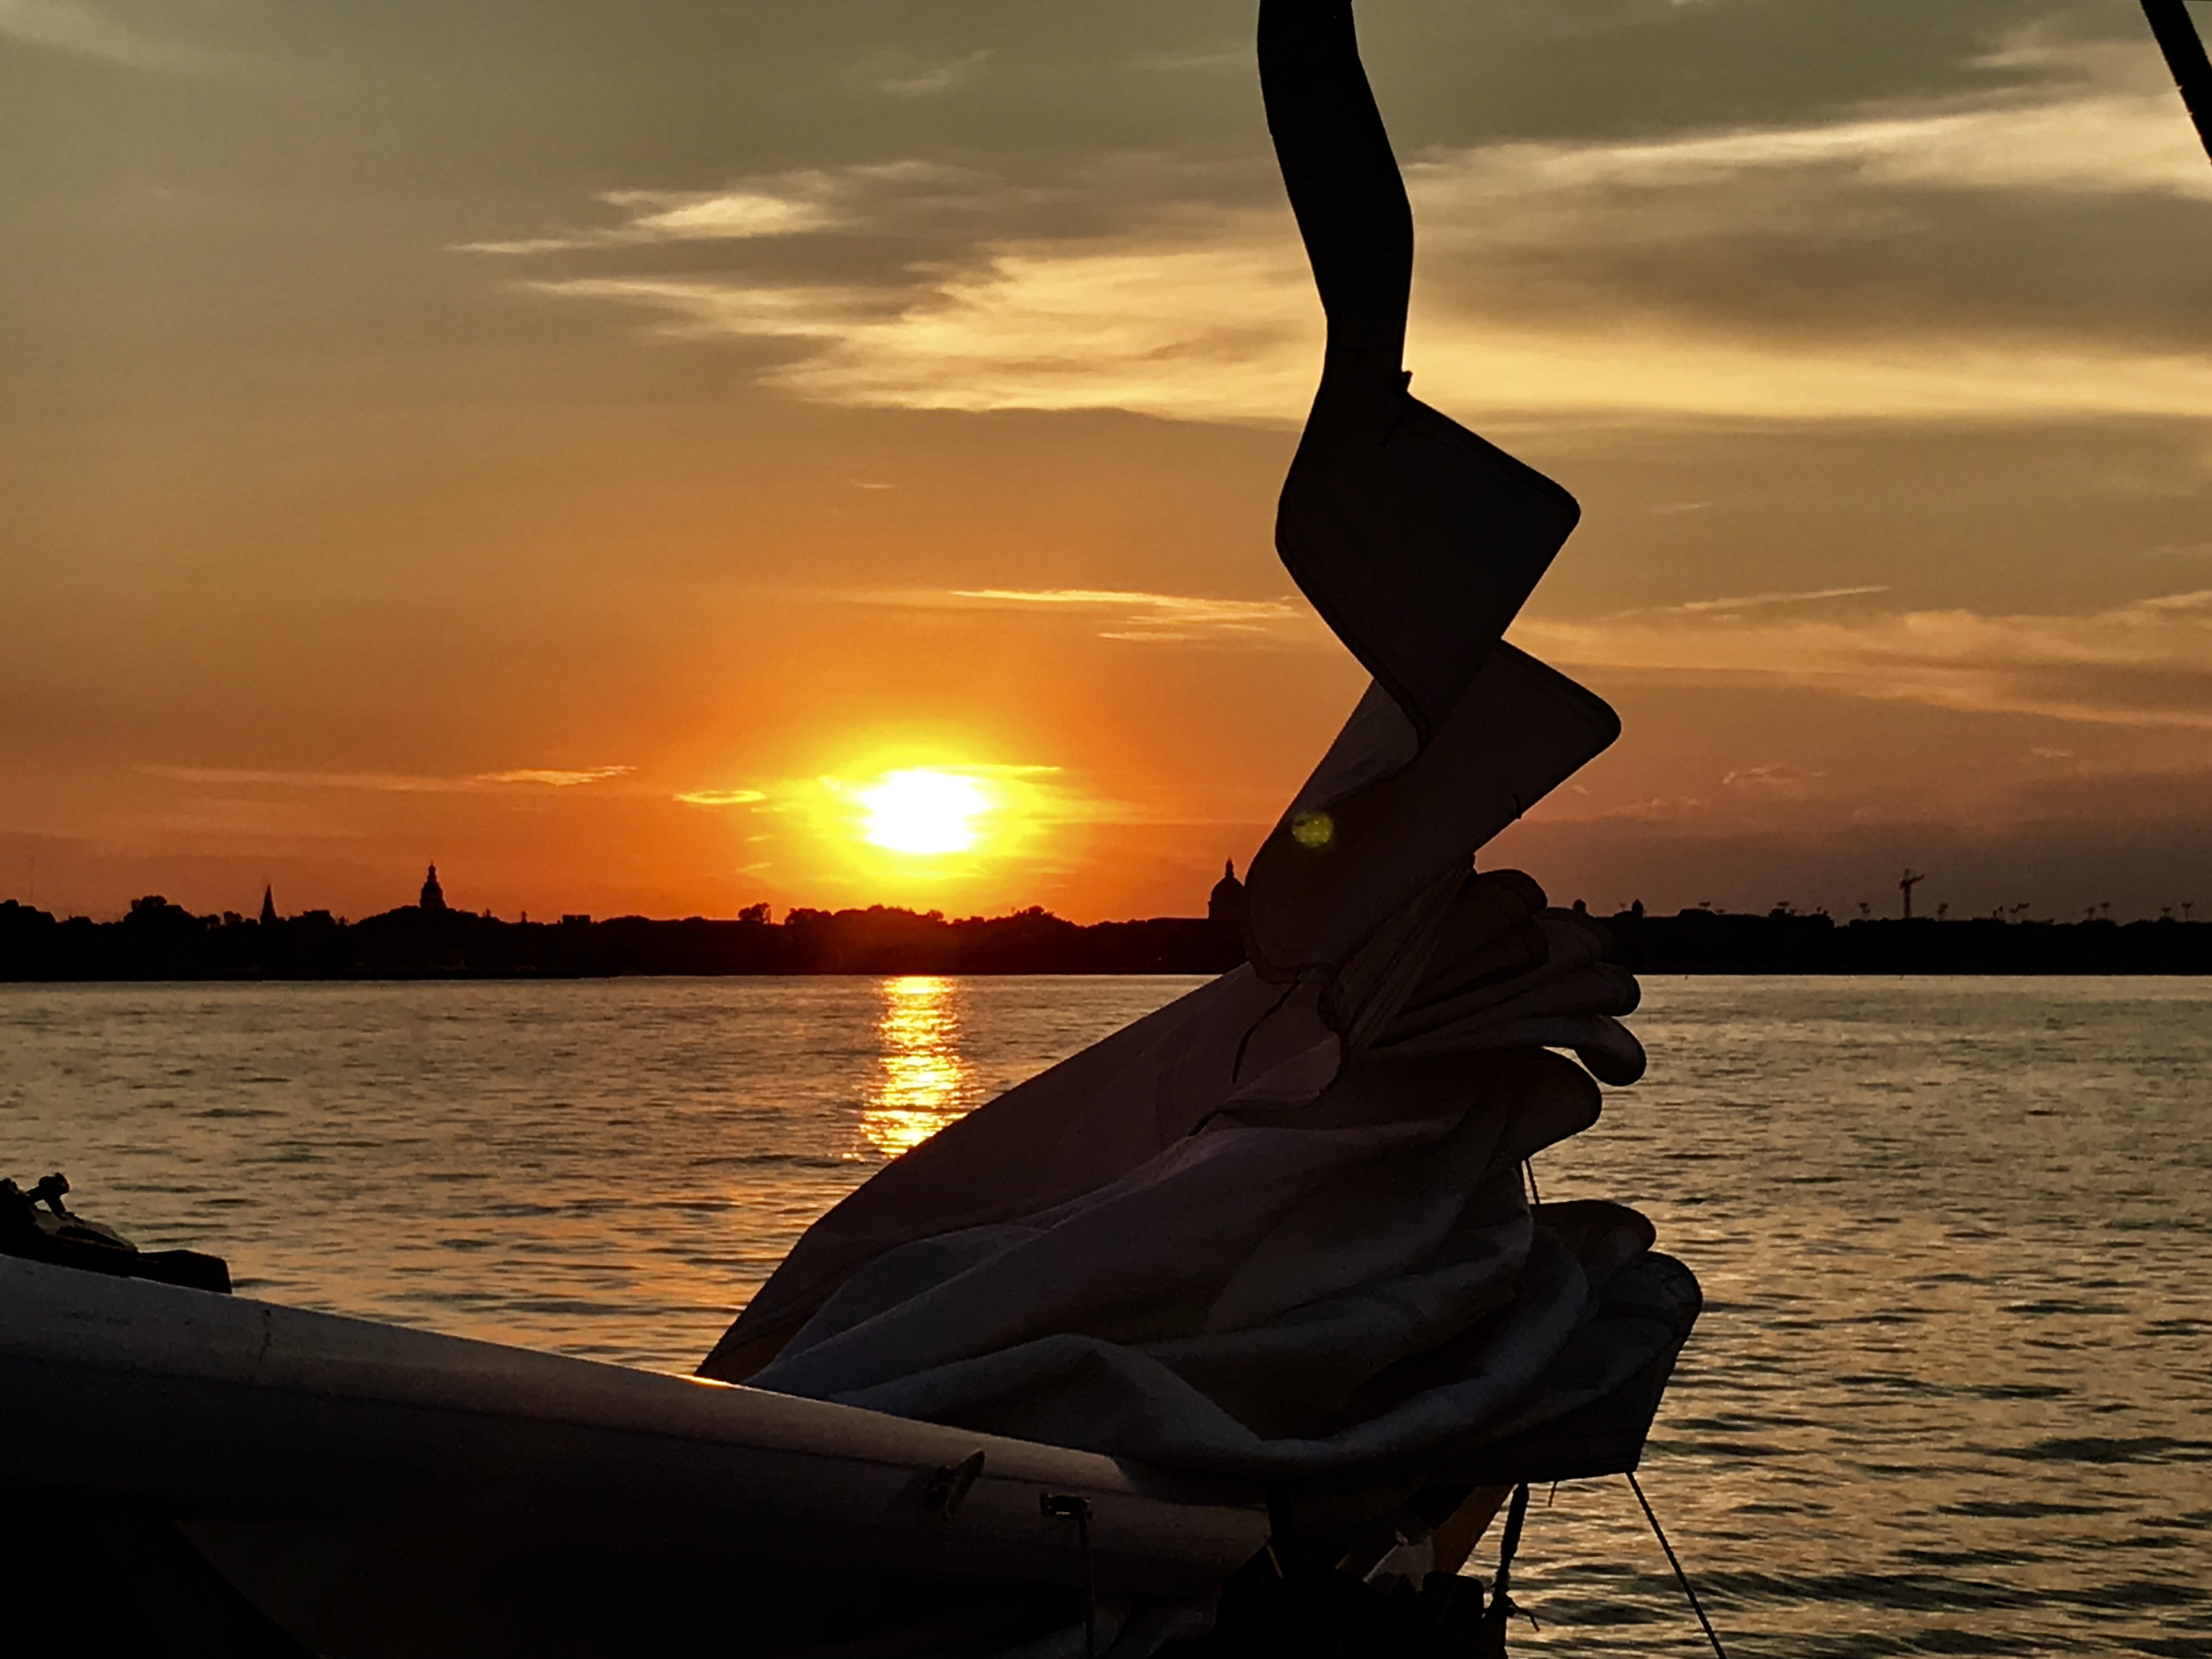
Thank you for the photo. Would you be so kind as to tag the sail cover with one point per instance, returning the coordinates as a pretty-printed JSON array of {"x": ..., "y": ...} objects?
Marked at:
[{"x": 1279, "y": 1229}]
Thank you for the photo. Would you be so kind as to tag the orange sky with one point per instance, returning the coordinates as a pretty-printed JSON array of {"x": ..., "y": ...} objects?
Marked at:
[{"x": 584, "y": 445}]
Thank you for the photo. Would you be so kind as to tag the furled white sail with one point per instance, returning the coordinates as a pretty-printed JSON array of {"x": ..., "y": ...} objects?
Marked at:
[{"x": 1278, "y": 1230}]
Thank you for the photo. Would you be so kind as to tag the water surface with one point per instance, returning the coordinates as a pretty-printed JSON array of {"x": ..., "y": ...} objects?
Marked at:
[{"x": 1952, "y": 1393}]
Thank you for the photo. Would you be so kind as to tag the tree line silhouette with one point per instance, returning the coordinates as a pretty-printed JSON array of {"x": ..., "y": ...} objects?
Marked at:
[
  {"x": 1785, "y": 941},
  {"x": 159, "y": 940}
]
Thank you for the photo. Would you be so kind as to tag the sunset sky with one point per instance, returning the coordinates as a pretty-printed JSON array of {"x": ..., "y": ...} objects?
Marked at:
[{"x": 590, "y": 444}]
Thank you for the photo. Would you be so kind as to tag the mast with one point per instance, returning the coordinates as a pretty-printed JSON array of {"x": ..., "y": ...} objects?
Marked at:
[{"x": 2185, "y": 55}]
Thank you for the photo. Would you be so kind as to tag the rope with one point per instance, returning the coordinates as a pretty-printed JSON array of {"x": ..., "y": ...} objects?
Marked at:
[
  {"x": 1511, "y": 1544},
  {"x": 1680, "y": 1578},
  {"x": 1499, "y": 1613},
  {"x": 1243, "y": 1042}
]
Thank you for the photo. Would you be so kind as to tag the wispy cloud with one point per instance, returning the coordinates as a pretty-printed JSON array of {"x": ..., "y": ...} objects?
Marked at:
[
  {"x": 1147, "y": 616},
  {"x": 1698, "y": 274},
  {"x": 1764, "y": 601},
  {"x": 802, "y": 204},
  {"x": 1121, "y": 614},
  {"x": 396, "y": 783},
  {"x": 1776, "y": 777},
  {"x": 554, "y": 777},
  {"x": 88, "y": 31},
  {"x": 722, "y": 797},
  {"x": 2147, "y": 664},
  {"x": 770, "y": 206},
  {"x": 1228, "y": 332},
  {"x": 2097, "y": 120},
  {"x": 1208, "y": 331},
  {"x": 1233, "y": 57},
  {"x": 899, "y": 75}
]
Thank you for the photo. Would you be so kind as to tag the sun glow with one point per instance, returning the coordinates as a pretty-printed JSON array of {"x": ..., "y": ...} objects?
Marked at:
[{"x": 923, "y": 811}]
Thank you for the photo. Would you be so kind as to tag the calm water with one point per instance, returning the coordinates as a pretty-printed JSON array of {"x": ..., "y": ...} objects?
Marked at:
[{"x": 1952, "y": 1394}]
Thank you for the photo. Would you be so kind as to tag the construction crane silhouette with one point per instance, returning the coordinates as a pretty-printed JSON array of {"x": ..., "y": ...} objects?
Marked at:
[{"x": 1913, "y": 879}]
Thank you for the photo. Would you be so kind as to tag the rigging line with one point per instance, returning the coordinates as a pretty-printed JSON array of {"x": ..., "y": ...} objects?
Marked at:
[
  {"x": 2185, "y": 55},
  {"x": 1501, "y": 1604},
  {"x": 1236, "y": 1065},
  {"x": 1243, "y": 1042},
  {"x": 1680, "y": 1578}
]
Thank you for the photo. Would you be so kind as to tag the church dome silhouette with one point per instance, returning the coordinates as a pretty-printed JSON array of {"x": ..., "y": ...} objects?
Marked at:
[{"x": 1226, "y": 901}]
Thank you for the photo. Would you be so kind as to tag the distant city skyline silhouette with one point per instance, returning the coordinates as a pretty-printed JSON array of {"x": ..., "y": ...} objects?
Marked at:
[{"x": 1223, "y": 901}]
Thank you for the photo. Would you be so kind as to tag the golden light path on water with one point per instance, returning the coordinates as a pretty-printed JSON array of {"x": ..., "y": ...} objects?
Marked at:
[{"x": 922, "y": 1082}]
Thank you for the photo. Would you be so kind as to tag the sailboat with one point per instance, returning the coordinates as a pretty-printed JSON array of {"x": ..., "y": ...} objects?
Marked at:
[
  {"x": 1241, "y": 1312},
  {"x": 1241, "y": 1317}
]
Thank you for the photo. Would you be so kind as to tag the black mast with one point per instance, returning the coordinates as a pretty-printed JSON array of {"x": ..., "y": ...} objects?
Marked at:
[{"x": 2185, "y": 55}]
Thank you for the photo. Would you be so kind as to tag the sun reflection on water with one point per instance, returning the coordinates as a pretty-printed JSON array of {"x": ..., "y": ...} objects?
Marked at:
[{"x": 922, "y": 1082}]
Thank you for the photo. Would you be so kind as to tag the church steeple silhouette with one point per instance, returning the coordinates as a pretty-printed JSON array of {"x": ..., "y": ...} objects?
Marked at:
[
  {"x": 433, "y": 896},
  {"x": 268, "y": 905}
]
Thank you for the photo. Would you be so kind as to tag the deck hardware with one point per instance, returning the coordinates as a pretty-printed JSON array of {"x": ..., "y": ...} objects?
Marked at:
[
  {"x": 949, "y": 1487},
  {"x": 1073, "y": 1506}
]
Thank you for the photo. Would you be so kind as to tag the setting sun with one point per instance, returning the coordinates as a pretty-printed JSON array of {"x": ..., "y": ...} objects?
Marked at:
[{"x": 923, "y": 811}]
